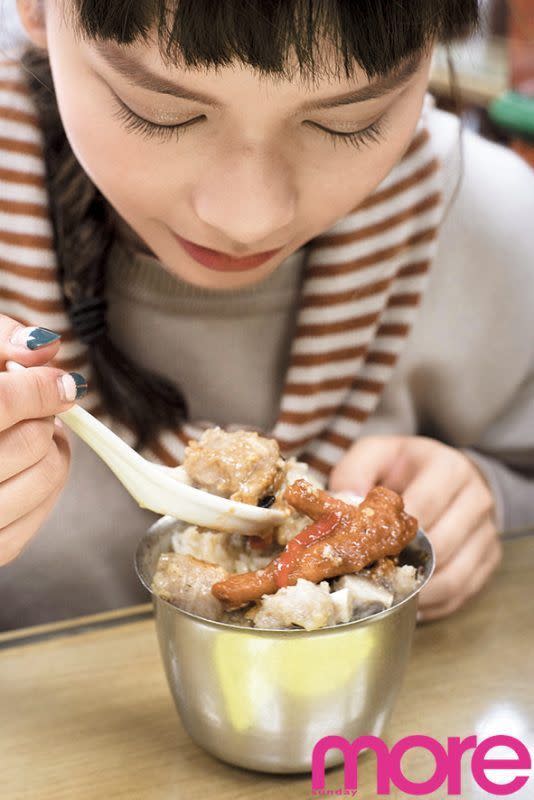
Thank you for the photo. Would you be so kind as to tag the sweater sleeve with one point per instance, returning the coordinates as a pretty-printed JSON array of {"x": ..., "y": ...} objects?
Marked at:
[
  {"x": 513, "y": 492},
  {"x": 505, "y": 455},
  {"x": 488, "y": 250},
  {"x": 466, "y": 375}
]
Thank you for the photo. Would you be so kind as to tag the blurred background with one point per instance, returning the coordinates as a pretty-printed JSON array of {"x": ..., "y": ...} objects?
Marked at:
[
  {"x": 493, "y": 86},
  {"x": 494, "y": 76}
]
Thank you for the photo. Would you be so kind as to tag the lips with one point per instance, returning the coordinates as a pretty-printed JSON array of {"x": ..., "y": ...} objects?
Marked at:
[{"x": 221, "y": 262}]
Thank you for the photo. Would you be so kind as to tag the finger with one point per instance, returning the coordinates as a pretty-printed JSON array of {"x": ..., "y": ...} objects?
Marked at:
[
  {"x": 452, "y": 580},
  {"x": 24, "y": 444},
  {"x": 480, "y": 578},
  {"x": 484, "y": 568},
  {"x": 436, "y": 486},
  {"x": 29, "y": 345},
  {"x": 37, "y": 392},
  {"x": 468, "y": 511},
  {"x": 455, "y": 578},
  {"x": 30, "y": 488},
  {"x": 16, "y": 536},
  {"x": 366, "y": 464}
]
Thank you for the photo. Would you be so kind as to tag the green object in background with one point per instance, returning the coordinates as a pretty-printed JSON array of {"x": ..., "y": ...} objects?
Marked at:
[{"x": 515, "y": 113}]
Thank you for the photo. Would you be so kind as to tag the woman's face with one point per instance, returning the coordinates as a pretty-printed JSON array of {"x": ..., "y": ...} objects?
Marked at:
[{"x": 226, "y": 159}]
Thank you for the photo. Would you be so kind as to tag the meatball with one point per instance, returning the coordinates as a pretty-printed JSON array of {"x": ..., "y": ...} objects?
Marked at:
[{"x": 241, "y": 465}]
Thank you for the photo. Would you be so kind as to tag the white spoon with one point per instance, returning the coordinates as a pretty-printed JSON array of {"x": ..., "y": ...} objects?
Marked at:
[{"x": 164, "y": 489}]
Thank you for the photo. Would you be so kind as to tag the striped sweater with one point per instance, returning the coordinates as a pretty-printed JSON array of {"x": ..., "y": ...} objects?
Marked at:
[{"x": 363, "y": 282}]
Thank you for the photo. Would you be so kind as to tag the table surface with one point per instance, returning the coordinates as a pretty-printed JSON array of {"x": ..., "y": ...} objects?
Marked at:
[{"x": 86, "y": 713}]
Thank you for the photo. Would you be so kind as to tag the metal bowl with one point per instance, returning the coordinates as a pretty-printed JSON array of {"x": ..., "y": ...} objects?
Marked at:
[{"x": 261, "y": 699}]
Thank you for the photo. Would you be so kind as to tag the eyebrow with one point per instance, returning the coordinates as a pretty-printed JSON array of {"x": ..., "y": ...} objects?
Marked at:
[
  {"x": 141, "y": 76},
  {"x": 382, "y": 85}
]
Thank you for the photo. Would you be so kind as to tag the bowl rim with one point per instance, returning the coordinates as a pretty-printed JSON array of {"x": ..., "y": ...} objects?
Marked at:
[{"x": 160, "y": 529}]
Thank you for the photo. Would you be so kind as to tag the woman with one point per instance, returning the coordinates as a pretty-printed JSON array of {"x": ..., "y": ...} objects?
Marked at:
[{"x": 254, "y": 204}]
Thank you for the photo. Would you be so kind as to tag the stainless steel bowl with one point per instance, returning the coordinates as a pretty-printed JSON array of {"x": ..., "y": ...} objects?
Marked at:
[{"x": 261, "y": 699}]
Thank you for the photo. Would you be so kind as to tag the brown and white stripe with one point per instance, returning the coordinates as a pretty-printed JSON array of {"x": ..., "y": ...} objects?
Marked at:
[{"x": 363, "y": 282}]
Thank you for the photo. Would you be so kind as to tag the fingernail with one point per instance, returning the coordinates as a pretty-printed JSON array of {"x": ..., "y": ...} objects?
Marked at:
[
  {"x": 419, "y": 617},
  {"x": 72, "y": 386},
  {"x": 33, "y": 338}
]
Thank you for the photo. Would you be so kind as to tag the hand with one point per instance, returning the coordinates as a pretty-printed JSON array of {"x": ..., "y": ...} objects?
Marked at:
[
  {"x": 444, "y": 489},
  {"x": 34, "y": 452}
]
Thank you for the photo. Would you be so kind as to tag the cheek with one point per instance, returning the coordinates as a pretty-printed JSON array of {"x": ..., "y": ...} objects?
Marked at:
[
  {"x": 127, "y": 170},
  {"x": 343, "y": 182},
  {"x": 111, "y": 157},
  {"x": 338, "y": 187}
]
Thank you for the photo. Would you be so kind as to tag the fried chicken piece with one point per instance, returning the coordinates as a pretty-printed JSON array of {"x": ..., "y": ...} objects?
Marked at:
[
  {"x": 343, "y": 539},
  {"x": 239, "y": 465}
]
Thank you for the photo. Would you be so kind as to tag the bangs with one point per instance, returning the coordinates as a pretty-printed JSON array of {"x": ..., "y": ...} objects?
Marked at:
[{"x": 269, "y": 35}]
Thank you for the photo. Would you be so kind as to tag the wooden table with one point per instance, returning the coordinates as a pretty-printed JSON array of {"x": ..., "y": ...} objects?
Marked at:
[{"x": 86, "y": 713}]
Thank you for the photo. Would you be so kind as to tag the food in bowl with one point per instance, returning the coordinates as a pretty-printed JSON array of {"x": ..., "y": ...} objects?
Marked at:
[{"x": 329, "y": 562}]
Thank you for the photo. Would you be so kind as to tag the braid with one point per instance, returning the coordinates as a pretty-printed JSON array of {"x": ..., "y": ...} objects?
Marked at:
[{"x": 84, "y": 230}]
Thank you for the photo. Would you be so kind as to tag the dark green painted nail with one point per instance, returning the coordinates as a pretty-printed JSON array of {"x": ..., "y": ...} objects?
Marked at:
[
  {"x": 81, "y": 384},
  {"x": 40, "y": 337}
]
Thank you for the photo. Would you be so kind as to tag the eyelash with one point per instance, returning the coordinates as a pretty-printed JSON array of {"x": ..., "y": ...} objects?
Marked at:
[
  {"x": 133, "y": 122},
  {"x": 369, "y": 135},
  {"x": 150, "y": 130}
]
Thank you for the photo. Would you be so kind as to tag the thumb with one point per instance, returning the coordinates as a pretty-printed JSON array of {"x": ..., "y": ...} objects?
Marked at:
[{"x": 366, "y": 464}]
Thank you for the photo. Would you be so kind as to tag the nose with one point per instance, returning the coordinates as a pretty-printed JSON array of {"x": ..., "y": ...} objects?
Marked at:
[{"x": 249, "y": 198}]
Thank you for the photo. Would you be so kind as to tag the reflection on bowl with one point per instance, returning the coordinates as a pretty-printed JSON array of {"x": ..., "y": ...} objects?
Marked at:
[{"x": 261, "y": 699}]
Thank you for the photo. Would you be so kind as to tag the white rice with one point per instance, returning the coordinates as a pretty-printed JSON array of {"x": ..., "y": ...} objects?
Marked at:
[{"x": 225, "y": 549}]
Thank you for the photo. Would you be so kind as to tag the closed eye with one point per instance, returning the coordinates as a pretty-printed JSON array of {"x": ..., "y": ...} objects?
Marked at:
[
  {"x": 371, "y": 134},
  {"x": 150, "y": 130}
]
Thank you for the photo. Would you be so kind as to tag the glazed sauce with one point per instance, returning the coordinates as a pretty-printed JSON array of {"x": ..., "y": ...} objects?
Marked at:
[{"x": 317, "y": 530}]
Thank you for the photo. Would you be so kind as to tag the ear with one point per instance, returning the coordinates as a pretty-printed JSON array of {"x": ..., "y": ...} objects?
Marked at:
[{"x": 33, "y": 18}]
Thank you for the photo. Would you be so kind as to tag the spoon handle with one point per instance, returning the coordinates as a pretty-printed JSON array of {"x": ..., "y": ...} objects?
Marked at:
[
  {"x": 98, "y": 436},
  {"x": 129, "y": 467}
]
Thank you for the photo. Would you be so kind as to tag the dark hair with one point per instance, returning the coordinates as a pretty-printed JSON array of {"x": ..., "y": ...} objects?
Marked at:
[{"x": 375, "y": 35}]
